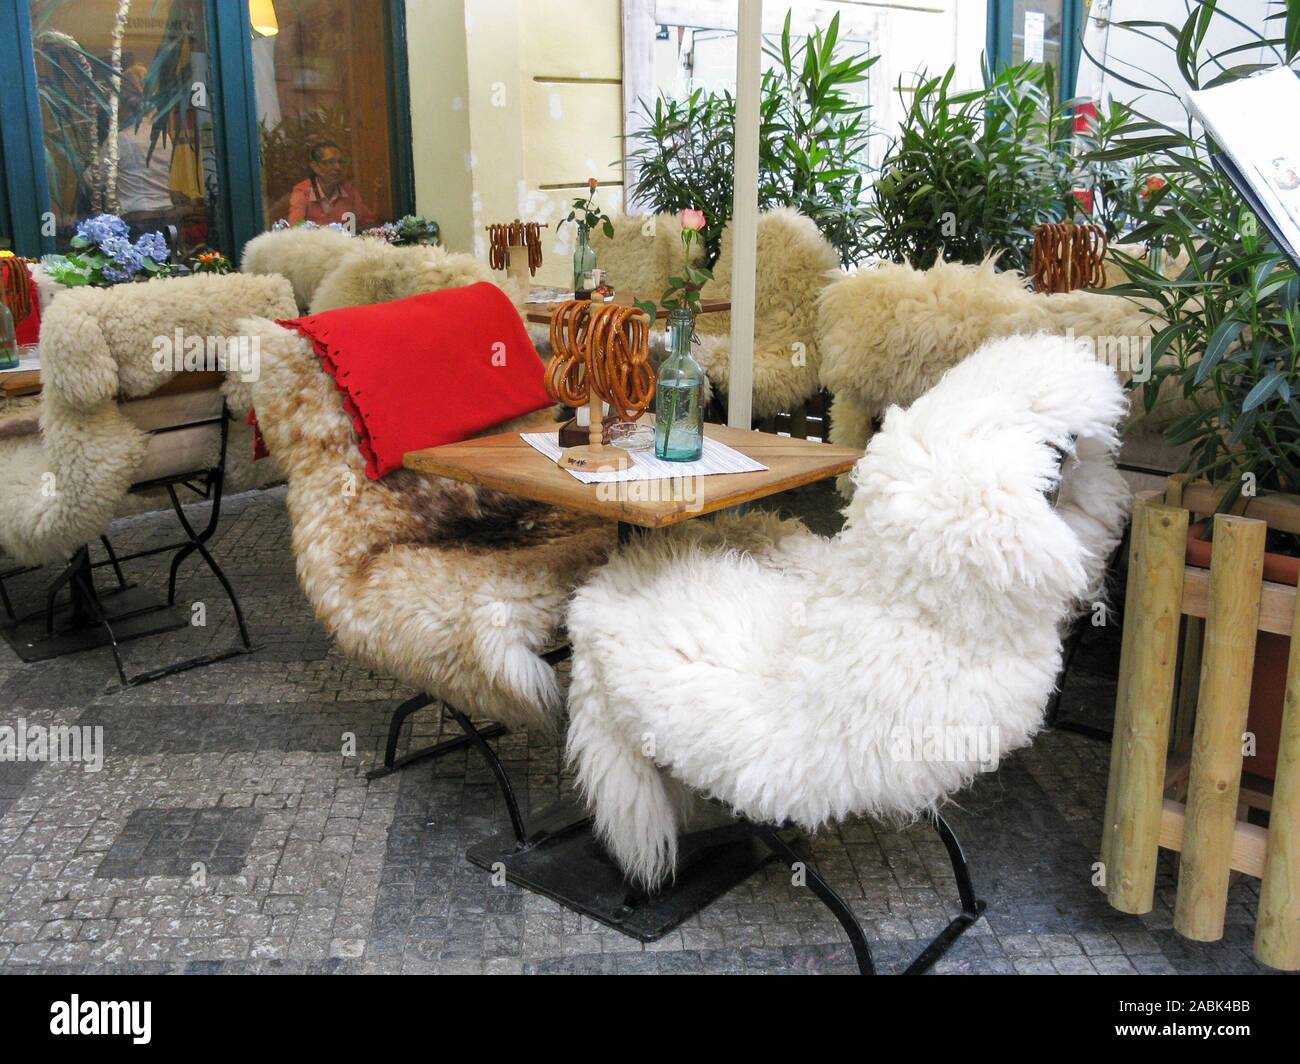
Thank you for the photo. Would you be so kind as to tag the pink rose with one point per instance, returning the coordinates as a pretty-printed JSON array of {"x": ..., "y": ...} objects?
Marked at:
[
  {"x": 593, "y": 184},
  {"x": 693, "y": 220}
]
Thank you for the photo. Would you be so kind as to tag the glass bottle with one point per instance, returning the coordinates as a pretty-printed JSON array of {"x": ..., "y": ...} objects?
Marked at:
[
  {"x": 679, "y": 406},
  {"x": 584, "y": 259},
  {"x": 8, "y": 338}
]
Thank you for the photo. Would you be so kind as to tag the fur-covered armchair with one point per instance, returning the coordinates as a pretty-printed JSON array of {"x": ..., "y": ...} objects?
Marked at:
[
  {"x": 645, "y": 251},
  {"x": 939, "y": 612},
  {"x": 304, "y": 256},
  {"x": 795, "y": 263},
  {"x": 454, "y": 590},
  {"x": 99, "y": 352},
  {"x": 376, "y": 272},
  {"x": 888, "y": 333}
]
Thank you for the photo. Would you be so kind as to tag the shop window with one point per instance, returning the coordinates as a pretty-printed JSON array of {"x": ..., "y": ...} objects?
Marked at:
[
  {"x": 142, "y": 146},
  {"x": 320, "y": 71}
]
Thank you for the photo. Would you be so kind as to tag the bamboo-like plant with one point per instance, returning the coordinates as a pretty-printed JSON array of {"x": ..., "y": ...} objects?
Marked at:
[
  {"x": 1230, "y": 325},
  {"x": 813, "y": 144},
  {"x": 971, "y": 173}
]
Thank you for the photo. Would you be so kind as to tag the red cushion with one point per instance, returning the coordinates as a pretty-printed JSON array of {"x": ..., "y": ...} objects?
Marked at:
[{"x": 432, "y": 369}]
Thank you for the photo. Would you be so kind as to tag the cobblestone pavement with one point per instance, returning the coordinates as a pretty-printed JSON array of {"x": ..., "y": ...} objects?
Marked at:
[{"x": 231, "y": 828}]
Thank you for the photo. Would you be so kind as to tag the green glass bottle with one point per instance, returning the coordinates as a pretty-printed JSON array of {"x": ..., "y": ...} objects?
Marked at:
[
  {"x": 8, "y": 339},
  {"x": 679, "y": 401},
  {"x": 584, "y": 259}
]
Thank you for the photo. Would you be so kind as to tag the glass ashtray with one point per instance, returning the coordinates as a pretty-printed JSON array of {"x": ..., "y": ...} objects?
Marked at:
[{"x": 630, "y": 436}]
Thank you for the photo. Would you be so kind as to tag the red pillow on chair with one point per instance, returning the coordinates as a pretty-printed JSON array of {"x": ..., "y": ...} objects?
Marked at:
[{"x": 435, "y": 368}]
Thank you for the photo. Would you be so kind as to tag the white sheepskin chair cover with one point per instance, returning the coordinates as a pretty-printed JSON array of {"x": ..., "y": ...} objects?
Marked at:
[
  {"x": 304, "y": 256},
  {"x": 62, "y": 488},
  {"x": 795, "y": 263},
  {"x": 454, "y": 590},
  {"x": 938, "y": 607}
]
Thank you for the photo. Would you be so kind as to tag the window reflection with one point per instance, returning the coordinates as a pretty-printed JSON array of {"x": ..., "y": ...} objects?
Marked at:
[
  {"x": 141, "y": 145},
  {"x": 320, "y": 76}
]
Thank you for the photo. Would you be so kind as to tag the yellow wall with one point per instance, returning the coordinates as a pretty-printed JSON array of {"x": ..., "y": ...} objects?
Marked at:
[{"x": 514, "y": 105}]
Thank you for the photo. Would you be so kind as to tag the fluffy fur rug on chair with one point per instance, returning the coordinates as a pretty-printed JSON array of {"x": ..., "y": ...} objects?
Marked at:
[
  {"x": 454, "y": 590},
  {"x": 645, "y": 251},
  {"x": 935, "y": 613},
  {"x": 887, "y": 334},
  {"x": 304, "y": 256},
  {"x": 62, "y": 488},
  {"x": 794, "y": 264}
]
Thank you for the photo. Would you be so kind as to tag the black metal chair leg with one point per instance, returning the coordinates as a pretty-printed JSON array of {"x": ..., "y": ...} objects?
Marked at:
[
  {"x": 971, "y": 907},
  {"x": 63, "y": 578},
  {"x": 198, "y": 542},
  {"x": 498, "y": 770},
  {"x": 393, "y": 763},
  {"x": 828, "y": 896},
  {"x": 112, "y": 560}
]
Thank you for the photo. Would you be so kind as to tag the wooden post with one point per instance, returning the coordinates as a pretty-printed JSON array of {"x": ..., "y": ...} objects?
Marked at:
[
  {"x": 1214, "y": 780},
  {"x": 1189, "y": 671},
  {"x": 1149, "y": 649},
  {"x": 1277, "y": 925}
]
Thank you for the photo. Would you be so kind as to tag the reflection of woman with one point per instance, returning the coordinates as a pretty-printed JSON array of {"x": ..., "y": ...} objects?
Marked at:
[{"x": 326, "y": 197}]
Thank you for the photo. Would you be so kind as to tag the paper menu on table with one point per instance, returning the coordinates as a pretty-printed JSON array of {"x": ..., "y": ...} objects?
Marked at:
[{"x": 717, "y": 459}]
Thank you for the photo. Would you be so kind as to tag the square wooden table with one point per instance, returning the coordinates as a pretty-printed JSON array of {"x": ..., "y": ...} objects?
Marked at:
[
  {"x": 541, "y": 313},
  {"x": 505, "y": 462}
]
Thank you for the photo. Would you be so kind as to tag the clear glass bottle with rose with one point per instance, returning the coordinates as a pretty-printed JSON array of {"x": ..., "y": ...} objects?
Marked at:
[{"x": 679, "y": 398}]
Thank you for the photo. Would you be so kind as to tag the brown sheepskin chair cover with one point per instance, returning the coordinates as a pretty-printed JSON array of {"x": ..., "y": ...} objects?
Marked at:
[{"x": 454, "y": 590}]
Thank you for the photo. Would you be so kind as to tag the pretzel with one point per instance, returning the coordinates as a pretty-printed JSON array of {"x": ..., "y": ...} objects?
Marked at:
[
  {"x": 1068, "y": 256},
  {"x": 502, "y": 237},
  {"x": 16, "y": 289},
  {"x": 605, "y": 348}
]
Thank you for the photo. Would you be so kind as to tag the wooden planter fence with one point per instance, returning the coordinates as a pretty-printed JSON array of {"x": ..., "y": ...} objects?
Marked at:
[{"x": 1176, "y": 759}]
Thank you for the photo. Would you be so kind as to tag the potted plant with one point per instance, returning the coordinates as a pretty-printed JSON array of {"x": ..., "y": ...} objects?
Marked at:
[
  {"x": 1228, "y": 338},
  {"x": 813, "y": 154}
]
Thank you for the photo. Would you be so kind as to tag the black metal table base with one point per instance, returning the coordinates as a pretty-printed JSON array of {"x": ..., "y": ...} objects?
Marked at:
[
  {"x": 133, "y": 613},
  {"x": 562, "y": 860}
]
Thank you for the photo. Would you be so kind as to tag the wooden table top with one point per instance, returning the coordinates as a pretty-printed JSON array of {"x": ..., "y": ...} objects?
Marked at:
[
  {"x": 504, "y": 462},
  {"x": 541, "y": 313}
]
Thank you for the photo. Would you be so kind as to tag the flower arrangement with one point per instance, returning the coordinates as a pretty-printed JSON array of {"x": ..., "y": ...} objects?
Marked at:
[
  {"x": 586, "y": 212},
  {"x": 284, "y": 223},
  {"x": 102, "y": 254},
  {"x": 406, "y": 231},
  {"x": 212, "y": 262},
  {"x": 684, "y": 292}
]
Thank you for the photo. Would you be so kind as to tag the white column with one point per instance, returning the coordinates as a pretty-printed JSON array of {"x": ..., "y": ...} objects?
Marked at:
[{"x": 744, "y": 215}]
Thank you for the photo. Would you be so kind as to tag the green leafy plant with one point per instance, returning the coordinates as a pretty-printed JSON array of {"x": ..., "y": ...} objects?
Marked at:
[
  {"x": 1229, "y": 335},
  {"x": 587, "y": 212},
  {"x": 814, "y": 137},
  {"x": 971, "y": 173}
]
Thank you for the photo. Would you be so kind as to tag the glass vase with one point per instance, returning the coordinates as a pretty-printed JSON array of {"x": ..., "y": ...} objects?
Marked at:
[
  {"x": 8, "y": 338},
  {"x": 584, "y": 259},
  {"x": 679, "y": 405}
]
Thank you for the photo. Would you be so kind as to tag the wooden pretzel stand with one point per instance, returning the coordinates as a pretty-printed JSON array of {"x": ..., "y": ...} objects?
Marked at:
[{"x": 600, "y": 354}]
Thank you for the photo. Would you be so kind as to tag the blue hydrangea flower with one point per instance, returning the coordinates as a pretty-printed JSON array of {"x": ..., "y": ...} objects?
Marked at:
[
  {"x": 102, "y": 227},
  {"x": 153, "y": 246},
  {"x": 111, "y": 273}
]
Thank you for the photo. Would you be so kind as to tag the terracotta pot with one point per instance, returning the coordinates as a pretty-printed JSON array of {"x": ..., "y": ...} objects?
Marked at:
[{"x": 1268, "y": 682}]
